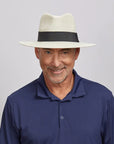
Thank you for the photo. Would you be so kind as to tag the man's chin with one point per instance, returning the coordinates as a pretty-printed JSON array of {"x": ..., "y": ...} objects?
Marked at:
[{"x": 57, "y": 81}]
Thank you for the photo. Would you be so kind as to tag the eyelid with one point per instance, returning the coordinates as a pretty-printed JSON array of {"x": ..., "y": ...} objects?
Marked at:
[
  {"x": 48, "y": 52},
  {"x": 67, "y": 50},
  {"x": 47, "y": 49}
]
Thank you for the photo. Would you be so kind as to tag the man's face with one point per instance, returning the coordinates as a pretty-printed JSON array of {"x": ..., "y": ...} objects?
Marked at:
[{"x": 57, "y": 64}]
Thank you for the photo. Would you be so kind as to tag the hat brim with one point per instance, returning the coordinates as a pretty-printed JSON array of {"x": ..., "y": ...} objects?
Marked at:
[{"x": 52, "y": 44}]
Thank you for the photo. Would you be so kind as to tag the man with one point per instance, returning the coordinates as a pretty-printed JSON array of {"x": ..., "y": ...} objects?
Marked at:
[{"x": 60, "y": 107}]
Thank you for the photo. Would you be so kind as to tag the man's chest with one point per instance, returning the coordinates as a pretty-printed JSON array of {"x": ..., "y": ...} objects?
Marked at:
[{"x": 50, "y": 122}]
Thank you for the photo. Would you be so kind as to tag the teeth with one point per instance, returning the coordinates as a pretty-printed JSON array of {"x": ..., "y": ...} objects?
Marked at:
[{"x": 56, "y": 70}]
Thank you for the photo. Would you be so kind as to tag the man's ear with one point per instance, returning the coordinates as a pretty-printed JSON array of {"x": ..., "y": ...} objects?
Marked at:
[
  {"x": 77, "y": 51},
  {"x": 36, "y": 52}
]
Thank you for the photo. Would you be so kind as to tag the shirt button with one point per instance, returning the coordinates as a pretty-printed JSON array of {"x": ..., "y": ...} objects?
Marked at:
[{"x": 62, "y": 117}]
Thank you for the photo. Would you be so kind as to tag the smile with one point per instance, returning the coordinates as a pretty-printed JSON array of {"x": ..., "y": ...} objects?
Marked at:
[{"x": 57, "y": 71}]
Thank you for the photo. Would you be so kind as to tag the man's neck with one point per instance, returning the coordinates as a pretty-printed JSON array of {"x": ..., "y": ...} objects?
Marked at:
[{"x": 60, "y": 90}]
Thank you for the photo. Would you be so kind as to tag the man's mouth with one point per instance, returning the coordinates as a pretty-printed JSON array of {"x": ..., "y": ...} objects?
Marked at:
[{"x": 56, "y": 71}]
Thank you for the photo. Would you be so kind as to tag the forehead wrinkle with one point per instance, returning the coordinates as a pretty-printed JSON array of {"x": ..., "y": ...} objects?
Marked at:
[{"x": 58, "y": 49}]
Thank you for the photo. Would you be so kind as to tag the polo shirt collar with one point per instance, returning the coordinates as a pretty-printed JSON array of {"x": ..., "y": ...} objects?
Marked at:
[{"x": 78, "y": 89}]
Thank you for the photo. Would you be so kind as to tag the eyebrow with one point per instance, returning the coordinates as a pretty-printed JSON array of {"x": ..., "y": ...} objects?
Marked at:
[
  {"x": 67, "y": 49},
  {"x": 47, "y": 49}
]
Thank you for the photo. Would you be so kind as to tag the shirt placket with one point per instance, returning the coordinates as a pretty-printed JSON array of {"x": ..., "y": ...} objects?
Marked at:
[{"x": 60, "y": 113}]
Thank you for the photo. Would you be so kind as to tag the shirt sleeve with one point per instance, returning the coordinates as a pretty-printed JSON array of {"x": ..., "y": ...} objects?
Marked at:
[
  {"x": 8, "y": 132},
  {"x": 108, "y": 125}
]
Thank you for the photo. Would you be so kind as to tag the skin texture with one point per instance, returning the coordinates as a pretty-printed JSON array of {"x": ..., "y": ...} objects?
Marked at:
[{"x": 57, "y": 66}]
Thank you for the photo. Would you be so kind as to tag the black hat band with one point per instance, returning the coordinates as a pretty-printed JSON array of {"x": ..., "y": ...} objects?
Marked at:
[{"x": 58, "y": 36}]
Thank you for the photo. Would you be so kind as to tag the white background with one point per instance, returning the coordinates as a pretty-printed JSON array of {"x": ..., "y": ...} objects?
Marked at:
[{"x": 19, "y": 20}]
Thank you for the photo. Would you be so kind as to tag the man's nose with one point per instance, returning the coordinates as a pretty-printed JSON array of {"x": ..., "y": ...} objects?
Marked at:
[{"x": 56, "y": 60}]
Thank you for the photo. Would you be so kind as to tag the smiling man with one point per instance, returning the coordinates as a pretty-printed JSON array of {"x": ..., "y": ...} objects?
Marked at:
[
  {"x": 60, "y": 107},
  {"x": 57, "y": 66}
]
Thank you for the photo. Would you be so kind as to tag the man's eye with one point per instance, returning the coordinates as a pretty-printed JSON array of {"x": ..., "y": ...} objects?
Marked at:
[
  {"x": 47, "y": 52},
  {"x": 65, "y": 52}
]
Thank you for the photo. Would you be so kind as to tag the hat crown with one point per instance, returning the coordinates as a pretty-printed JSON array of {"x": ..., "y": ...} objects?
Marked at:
[
  {"x": 57, "y": 32},
  {"x": 52, "y": 23}
]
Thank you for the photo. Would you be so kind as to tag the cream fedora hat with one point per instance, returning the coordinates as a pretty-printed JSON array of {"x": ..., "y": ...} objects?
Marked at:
[{"x": 57, "y": 32}]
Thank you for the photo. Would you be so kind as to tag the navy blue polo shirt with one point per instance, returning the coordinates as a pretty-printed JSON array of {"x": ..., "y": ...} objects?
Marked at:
[{"x": 33, "y": 115}]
